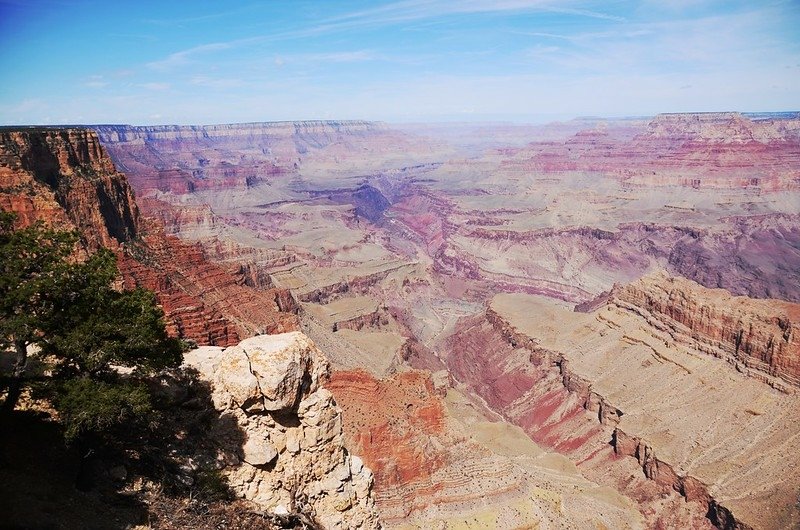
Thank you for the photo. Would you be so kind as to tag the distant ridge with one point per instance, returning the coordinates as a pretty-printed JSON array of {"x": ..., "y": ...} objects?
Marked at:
[{"x": 115, "y": 133}]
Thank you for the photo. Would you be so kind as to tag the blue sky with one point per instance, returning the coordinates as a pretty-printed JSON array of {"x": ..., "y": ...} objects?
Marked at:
[{"x": 148, "y": 62}]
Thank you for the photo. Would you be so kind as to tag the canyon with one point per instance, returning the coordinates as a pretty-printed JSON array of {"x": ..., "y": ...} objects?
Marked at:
[{"x": 582, "y": 324}]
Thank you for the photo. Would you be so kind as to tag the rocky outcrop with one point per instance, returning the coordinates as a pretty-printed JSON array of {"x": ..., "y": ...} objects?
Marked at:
[
  {"x": 759, "y": 337},
  {"x": 65, "y": 178},
  {"x": 293, "y": 457}
]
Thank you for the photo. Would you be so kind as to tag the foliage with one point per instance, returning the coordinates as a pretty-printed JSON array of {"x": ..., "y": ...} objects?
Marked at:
[
  {"x": 85, "y": 328},
  {"x": 94, "y": 326},
  {"x": 32, "y": 264},
  {"x": 89, "y": 406}
]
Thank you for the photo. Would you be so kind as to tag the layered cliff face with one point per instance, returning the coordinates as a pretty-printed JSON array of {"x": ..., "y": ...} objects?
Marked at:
[
  {"x": 64, "y": 177},
  {"x": 188, "y": 159},
  {"x": 204, "y": 301},
  {"x": 587, "y": 384},
  {"x": 440, "y": 463},
  {"x": 757, "y": 335},
  {"x": 698, "y": 150},
  {"x": 293, "y": 458}
]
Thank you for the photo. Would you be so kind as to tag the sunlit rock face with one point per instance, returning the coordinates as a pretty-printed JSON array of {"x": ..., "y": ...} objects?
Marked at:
[
  {"x": 664, "y": 384},
  {"x": 292, "y": 458},
  {"x": 65, "y": 178}
]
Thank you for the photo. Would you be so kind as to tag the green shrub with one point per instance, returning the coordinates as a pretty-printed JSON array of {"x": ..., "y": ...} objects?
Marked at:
[{"x": 89, "y": 406}]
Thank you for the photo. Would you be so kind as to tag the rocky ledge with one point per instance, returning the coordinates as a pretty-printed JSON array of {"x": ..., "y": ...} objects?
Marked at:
[
  {"x": 758, "y": 337},
  {"x": 291, "y": 458}
]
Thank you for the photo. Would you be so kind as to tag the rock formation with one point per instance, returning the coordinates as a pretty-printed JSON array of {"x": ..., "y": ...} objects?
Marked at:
[
  {"x": 698, "y": 150},
  {"x": 293, "y": 458},
  {"x": 757, "y": 336},
  {"x": 65, "y": 178},
  {"x": 189, "y": 159},
  {"x": 439, "y": 463},
  {"x": 394, "y": 243},
  {"x": 585, "y": 384}
]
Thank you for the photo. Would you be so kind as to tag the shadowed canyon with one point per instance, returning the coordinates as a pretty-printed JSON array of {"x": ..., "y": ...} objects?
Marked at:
[{"x": 584, "y": 324}]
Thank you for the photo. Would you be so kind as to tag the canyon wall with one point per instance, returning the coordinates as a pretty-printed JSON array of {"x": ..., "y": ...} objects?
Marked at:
[
  {"x": 709, "y": 150},
  {"x": 620, "y": 379},
  {"x": 65, "y": 178},
  {"x": 754, "y": 335},
  {"x": 188, "y": 159},
  {"x": 352, "y": 217}
]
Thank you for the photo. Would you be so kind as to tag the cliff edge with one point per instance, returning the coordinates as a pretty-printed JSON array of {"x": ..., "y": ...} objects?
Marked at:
[{"x": 293, "y": 458}]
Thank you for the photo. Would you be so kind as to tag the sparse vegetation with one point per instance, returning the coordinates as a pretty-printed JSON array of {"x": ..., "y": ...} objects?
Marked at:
[{"x": 82, "y": 330}]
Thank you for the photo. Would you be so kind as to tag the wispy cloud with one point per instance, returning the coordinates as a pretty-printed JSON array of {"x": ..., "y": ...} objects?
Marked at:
[
  {"x": 96, "y": 81},
  {"x": 172, "y": 22},
  {"x": 408, "y": 10},
  {"x": 358, "y": 56},
  {"x": 183, "y": 57},
  {"x": 216, "y": 82}
]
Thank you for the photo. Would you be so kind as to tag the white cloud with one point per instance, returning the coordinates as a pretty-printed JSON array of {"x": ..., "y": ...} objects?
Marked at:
[
  {"x": 212, "y": 82},
  {"x": 328, "y": 57},
  {"x": 183, "y": 57},
  {"x": 408, "y": 10}
]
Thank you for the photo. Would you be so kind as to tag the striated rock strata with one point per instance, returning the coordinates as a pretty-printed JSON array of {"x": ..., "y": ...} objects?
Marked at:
[
  {"x": 190, "y": 159},
  {"x": 65, "y": 178},
  {"x": 202, "y": 300},
  {"x": 759, "y": 337},
  {"x": 587, "y": 384},
  {"x": 440, "y": 463},
  {"x": 293, "y": 457}
]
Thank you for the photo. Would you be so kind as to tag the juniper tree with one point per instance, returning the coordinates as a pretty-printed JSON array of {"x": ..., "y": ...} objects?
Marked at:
[{"x": 83, "y": 327}]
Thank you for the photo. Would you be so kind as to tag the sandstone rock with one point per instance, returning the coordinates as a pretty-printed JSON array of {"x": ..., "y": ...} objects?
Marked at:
[
  {"x": 65, "y": 178},
  {"x": 270, "y": 372},
  {"x": 293, "y": 456},
  {"x": 760, "y": 334},
  {"x": 693, "y": 424},
  {"x": 258, "y": 452}
]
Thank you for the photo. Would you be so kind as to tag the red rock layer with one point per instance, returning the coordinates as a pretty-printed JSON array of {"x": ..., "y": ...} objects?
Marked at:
[
  {"x": 535, "y": 389},
  {"x": 65, "y": 178},
  {"x": 763, "y": 335},
  {"x": 203, "y": 301},
  {"x": 390, "y": 424}
]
